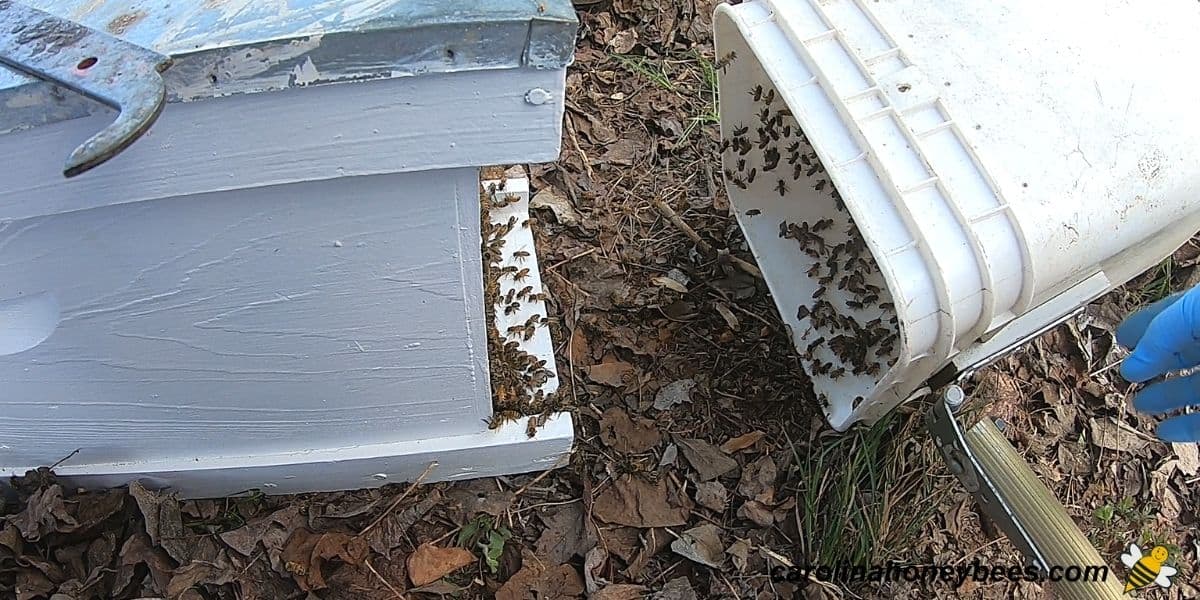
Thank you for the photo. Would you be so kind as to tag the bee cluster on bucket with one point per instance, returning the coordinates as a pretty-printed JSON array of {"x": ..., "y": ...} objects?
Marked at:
[
  {"x": 517, "y": 376},
  {"x": 850, "y": 326}
]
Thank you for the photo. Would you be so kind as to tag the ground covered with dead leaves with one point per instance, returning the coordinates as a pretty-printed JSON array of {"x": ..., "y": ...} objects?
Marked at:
[{"x": 701, "y": 461}]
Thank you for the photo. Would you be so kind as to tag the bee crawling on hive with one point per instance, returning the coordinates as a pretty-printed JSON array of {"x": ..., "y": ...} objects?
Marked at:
[
  {"x": 501, "y": 417},
  {"x": 724, "y": 61},
  {"x": 781, "y": 187},
  {"x": 507, "y": 200}
]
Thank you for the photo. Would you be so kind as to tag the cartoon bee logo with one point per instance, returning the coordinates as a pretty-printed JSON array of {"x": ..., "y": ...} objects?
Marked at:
[{"x": 1144, "y": 570}]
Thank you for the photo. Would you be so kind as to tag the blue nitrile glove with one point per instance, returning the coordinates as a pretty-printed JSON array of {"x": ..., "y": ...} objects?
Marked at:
[{"x": 1165, "y": 337}]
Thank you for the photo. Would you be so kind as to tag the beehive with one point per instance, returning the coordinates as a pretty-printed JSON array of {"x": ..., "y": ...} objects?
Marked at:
[{"x": 280, "y": 285}]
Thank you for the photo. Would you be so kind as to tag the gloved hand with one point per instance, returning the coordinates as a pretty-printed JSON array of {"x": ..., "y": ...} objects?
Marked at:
[{"x": 1165, "y": 336}]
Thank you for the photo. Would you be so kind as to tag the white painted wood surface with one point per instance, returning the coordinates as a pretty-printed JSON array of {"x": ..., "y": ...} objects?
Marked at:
[
  {"x": 287, "y": 318},
  {"x": 482, "y": 454},
  {"x": 409, "y": 124}
]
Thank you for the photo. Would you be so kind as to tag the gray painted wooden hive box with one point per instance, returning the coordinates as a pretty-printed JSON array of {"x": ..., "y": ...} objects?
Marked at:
[{"x": 278, "y": 286}]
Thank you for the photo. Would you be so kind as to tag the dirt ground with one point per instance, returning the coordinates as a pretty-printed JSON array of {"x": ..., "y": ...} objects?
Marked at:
[{"x": 701, "y": 459}]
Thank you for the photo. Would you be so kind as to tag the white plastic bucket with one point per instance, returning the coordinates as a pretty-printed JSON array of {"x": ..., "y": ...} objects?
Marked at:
[{"x": 1005, "y": 163}]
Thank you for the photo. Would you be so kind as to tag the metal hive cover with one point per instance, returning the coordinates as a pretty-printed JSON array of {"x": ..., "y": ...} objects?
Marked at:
[{"x": 224, "y": 47}]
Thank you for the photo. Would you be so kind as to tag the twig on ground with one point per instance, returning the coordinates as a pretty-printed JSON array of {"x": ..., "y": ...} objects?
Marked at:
[
  {"x": 543, "y": 475},
  {"x": 570, "y": 258},
  {"x": 583, "y": 157},
  {"x": 394, "y": 591},
  {"x": 670, "y": 214},
  {"x": 396, "y": 503}
]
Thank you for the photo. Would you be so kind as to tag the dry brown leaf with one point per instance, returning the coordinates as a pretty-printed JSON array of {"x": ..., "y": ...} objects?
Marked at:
[
  {"x": 712, "y": 495},
  {"x": 620, "y": 591},
  {"x": 742, "y": 442},
  {"x": 555, "y": 201},
  {"x": 610, "y": 372},
  {"x": 670, "y": 284},
  {"x": 739, "y": 554},
  {"x": 44, "y": 513},
  {"x": 757, "y": 512},
  {"x": 677, "y": 589},
  {"x": 701, "y": 544},
  {"x": 391, "y": 531},
  {"x": 307, "y": 553},
  {"x": 1188, "y": 455},
  {"x": 593, "y": 566},
  {"x": 623, "y": 41},
  {"x": 138, "y": 550},
  {"x": 758, "y": 480},
  {"x": 440, "y": 587},
  {"x": 32, "y": 584},
  {"x": 535, "y": 581},
  {"x": 620, "y": 432},
  {"x": 1110, "y": 434},
  {"x": 621, "y": 541},
  {"x": 676, "y": 392},
  {"x": 708, "y": 461},
  {"x": 653, "y": 541},
  {"x": 636, "y": 502},
  {"x": 566, "y": 534},
  {"x": 198, "y": 573},
  {"x": 164, "y": 521},
  {"x": 730, "y": 319},
  {"x": 622, "y": 152},
  {"x": 429, "y": 563},
  {"x": 480, "y": 496}
]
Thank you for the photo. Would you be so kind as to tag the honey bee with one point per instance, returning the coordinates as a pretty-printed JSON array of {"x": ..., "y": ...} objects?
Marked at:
[
  {"x": 781, "y": 187},
  {"x": 740, "y": 130},
  {"x": 769, "y": 97},
  {"x": 738, "y": 182},
  {"x": 521, "y": 255},
  {"x": 724, "y": 61},
  {"x": 512, "y": 308},
  {"x": 501, "y": 417},
  {"x": 507, "y": 200},
  {"x": 750, "y": 176},
  {"x": 525, "y": 291},
  {"x": 770, "y": 159},
  {"x": 757, "y": 92},
  {"x": 521, "y": 275}
]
